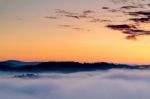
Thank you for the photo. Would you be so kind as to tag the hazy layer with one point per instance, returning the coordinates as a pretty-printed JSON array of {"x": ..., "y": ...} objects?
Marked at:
[{"x": 112, "y": 84}]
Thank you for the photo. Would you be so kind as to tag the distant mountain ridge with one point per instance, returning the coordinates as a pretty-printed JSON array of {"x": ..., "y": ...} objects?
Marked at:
[
  {"x": 17, "y": 63},
  {"x": 14, "y": 65}
]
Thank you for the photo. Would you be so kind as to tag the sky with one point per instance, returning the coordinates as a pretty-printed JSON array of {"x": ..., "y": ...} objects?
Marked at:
[{"x": 75, "y": 30}]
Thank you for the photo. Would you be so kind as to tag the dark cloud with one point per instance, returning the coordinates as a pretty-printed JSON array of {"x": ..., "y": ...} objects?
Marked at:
[
  {"x": 64, "y": 12},
  {"x": 128, "y": 7},
  {"x": 76, "y": 28},
  {"x": 139, "y": 13},
  {"x": 89, "y": 15},
  {"x": 141, "y": 20},
  {"x": 99, "y": 20},
  {"x": 131, "y": 37},
  {"x": 105, "y": 7},
  {"x": 65, "y": 25},
  {"x": 81, "y": 29},
  {"x": 121, "y": 27},
  {"x": 136, "y": 13},
  {"x": 113, "y": 10},
  {"x": 88, "y": 12},
  {"x": 50, "y": 17},
  {"x": 84, "y": 14},
  {"x": 132, "y": 12},
  {"x": 137, "y": 32},
  {"x": 131, "y": 30},
  {"x": 73, "y": 16},
  {"x": 96, "y": 20}
]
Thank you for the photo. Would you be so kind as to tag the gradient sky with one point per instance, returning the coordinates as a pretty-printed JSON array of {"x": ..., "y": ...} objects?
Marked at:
[{"x": 53, "y": 30}]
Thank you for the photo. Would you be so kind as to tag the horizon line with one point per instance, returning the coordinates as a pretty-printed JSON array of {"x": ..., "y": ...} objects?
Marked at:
[{"x": 70, "y": 61}]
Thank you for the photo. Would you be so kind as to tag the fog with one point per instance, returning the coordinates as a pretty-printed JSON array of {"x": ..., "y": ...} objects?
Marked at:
[{"x": 111, "y": 84}]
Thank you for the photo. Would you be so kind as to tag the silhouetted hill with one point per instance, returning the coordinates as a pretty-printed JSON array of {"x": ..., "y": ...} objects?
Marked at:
[
  {"x": 64, "y": 67},
  {"x": 16, "y": 63}
]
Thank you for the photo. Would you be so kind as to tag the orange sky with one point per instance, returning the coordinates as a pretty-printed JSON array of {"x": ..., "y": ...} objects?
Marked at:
[{"x": 25, "y": 34}]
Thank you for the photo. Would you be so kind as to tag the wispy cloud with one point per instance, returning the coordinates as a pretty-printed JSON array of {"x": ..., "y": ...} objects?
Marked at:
[
  {"x": 122, "y": 27},
  {"x": 131, "y": 30},
  {"x": 50, "y": 17},
  {"x": 129, "y": 7},
  {"x": 136, "y": 19},
  {"x": 141, "y": 20},
  {"x": 133, "y": 14},
  {"x": 65, "y": 25}
]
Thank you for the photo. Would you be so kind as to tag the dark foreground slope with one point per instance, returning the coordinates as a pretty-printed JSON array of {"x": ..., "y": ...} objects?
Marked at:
[{"x": 64, "y": 67}]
